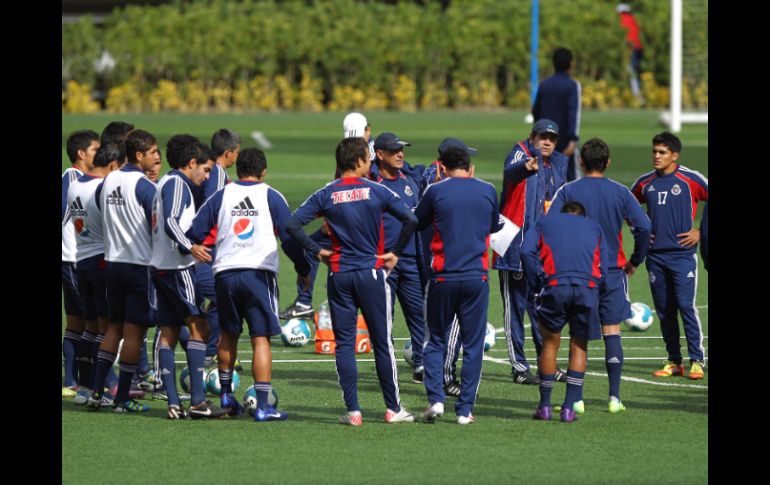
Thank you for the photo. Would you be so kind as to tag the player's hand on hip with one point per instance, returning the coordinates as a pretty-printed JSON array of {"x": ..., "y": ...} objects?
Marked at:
[
  {"x": 201, "y": 253},
  {"x": 389, "y": 260},
  {"x": 690, "y": 238},
  {"x": 630, "y": 269},
  {"x": 324, "y": 255}
]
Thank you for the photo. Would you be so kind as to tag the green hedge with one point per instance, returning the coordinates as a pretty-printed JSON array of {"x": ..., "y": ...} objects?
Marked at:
[{"x": 473, "y": 53}]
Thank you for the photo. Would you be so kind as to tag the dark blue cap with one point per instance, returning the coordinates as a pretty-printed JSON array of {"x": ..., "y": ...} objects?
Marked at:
[
  {"x": 454, "y": 142},
  {"x": 389, "y": 141},
  {"x": 544, "y": 126}
]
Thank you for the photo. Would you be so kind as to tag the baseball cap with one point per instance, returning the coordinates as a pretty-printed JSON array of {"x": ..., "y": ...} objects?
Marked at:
[
  {"x": 545, "y": 126},
  {"x": 389, "y": 141},
  {"x": 354, "y": 125},
  {"x": 454, "y": 142},
  {"x": 623, "y": 7}
]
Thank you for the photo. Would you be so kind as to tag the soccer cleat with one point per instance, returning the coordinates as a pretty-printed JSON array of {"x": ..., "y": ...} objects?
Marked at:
[
  {"x": 353, "y": 418},
  {"x": 452, "y": 389},
  {"x": 567, "y": 415},
  {"x": 269, "y": 414},
  {"x": 297, "y": 310},
  {"x": 466, "y": 419},
  {"x": 147, "y": 382},
  {"x": 162, "y": 395},
  {"x": 206, "y": 410},
  {"x": 230, "y": 404},
  {"x": 696, "y": 370},
  {"x": 237, "y": 365},
  {"x": 561, "y": 376},
  {"x": 579, "y": 407},
  {"x": 670, "y": 369},
  {"x": 434, "y": 411},
  {"x": 615, "y": 405},
  {"x": 543, "y": 413},
  {"x": 82, "y": 396},
  {"x": 525, "y": 377},
  {"x": 69, "y": 391},
  {"x": 130, "y": 406},
  {"x": 402, "y": 416},
  {"x": 176, "y": 412},
  {"x": 419, "y": 375},
  {"x": 95, "y": 401},
  {"x": 108, "y": 400}
]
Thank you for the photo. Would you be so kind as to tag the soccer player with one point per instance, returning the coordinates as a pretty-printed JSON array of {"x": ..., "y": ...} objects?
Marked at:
[
  {"x": 81, "y": 149},
  {"x": 248, "y": 214},
  {"x": 629, "y": 23},
  {"x": 85, "y": 212},
  {"x": 126, "y": 200},
  {"x": 558, "y": 99},
  {"x": 354, "y": 125},
  {"x": 533, "y": 172},
  {"x": 463, "y": 211},
  {"x": 565, "y": 257},
  {"x": 609, "y": 204},
  {"x": 116, "y": 132},
  {"x": 353, "y": 207},
  {"x": 173, "y": 272},
  {"x": 671, "y": 193},
  {"x": 404, "y": 279}
]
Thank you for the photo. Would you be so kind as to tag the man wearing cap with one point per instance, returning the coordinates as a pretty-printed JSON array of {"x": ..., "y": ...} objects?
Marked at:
[
  {"x": 432, "y": 174},
  {"x": 404, "y": 279},
  {"x": 558, "y": 99},
  {"x": 354, "y": 125},
  {"x": 532, "y": 174}
]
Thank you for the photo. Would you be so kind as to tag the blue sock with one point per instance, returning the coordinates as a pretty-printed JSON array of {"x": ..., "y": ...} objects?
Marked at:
[
  {"x": 127, "y": 372},
  {"x": 69, "y": 349},
  {"x": 546, "y": 387},
  {"x": 168, "y": 371},
  {"x": 263, "y": 392},
  {"x": 574, "y": 388},
  {"x": 196, "y": 358},
  {"x": 144, "y": 363},
  {"x": 613, "y": 357},
  {"x": 85, "y": 359},
  {"x": 226, "y": 380},
  {"x": 104, "y": 361}
]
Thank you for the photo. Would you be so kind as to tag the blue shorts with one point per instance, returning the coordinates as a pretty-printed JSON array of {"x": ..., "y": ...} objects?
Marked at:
[
  {"x": 177, "y": 296},
  {"x": 93, "y": 287},
  {"x": 574, "y": 304},
  {"x": 614, "y": 306},
  {"x": 129, "y": 293},
  {"x": 249, "y": 294},
  {"x": 69, "y": 283}
]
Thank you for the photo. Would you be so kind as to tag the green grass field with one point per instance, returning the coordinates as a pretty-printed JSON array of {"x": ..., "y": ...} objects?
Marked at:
[{"x": 504, "y": 444}]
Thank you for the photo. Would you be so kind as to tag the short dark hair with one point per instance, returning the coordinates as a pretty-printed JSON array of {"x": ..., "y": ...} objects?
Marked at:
[
  {"x": 138, "y": 141},
  {"x": 109, "y": 152},
  {"x": 180, "y": 149},
  {"x": 669, "y": 139},
  {"x": 349, "y": 151},
  {"x": 455, "y": 158},
  {"x": 595, "y": 154},
  {"x": 223, "y": 140},
  {"x": 562, "y": 59},
  {"x": 573, "y": 207},
  {"x": 251, "y": 162},
  {"x": 80, "y": 140},
  {"x": 116, "y": 131}
]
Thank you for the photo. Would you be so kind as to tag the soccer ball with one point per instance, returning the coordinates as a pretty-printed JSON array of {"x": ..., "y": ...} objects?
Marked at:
[
  {"x": 295, "y": 333},
  {"x": 408, "y": 352},
  {"x": 184, "y": 379},
  {"x": 489, "y": 338},
  {"x": 250, "y": 399},
  {"x": 213, "y": 386},
  {"x": 641, "y": 317}
]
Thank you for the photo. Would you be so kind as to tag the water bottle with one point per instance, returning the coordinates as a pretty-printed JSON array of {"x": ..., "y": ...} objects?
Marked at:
[{"x": 324, "y": 316}]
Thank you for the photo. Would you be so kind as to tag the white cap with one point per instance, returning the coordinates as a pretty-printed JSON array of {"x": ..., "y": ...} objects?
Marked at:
[
  {"x": 354, "y": 125},
  {"x": 623, "y": 7}
]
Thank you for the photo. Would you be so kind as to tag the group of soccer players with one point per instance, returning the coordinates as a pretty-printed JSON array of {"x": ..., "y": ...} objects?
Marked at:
[{"x": 136, "y": 254}]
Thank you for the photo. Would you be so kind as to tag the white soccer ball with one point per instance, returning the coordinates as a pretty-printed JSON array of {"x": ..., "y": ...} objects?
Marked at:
[
  {"x": 184, "y": 379},
  {"x": 295, "y": 333},
  {"x": 489, "y": 338},
  {"x": 250, "y": 399},
  {"x": 408, "y": 353},
  {"x": 213, "y": 386},
  {"x": 641, "y": 317}
]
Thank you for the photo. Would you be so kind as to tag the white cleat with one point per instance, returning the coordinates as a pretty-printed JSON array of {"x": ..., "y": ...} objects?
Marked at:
[
  {"x": 402, "y": 416},
  {"x": 435, "y": 410},
  {"x": 466, "y": 419}
]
